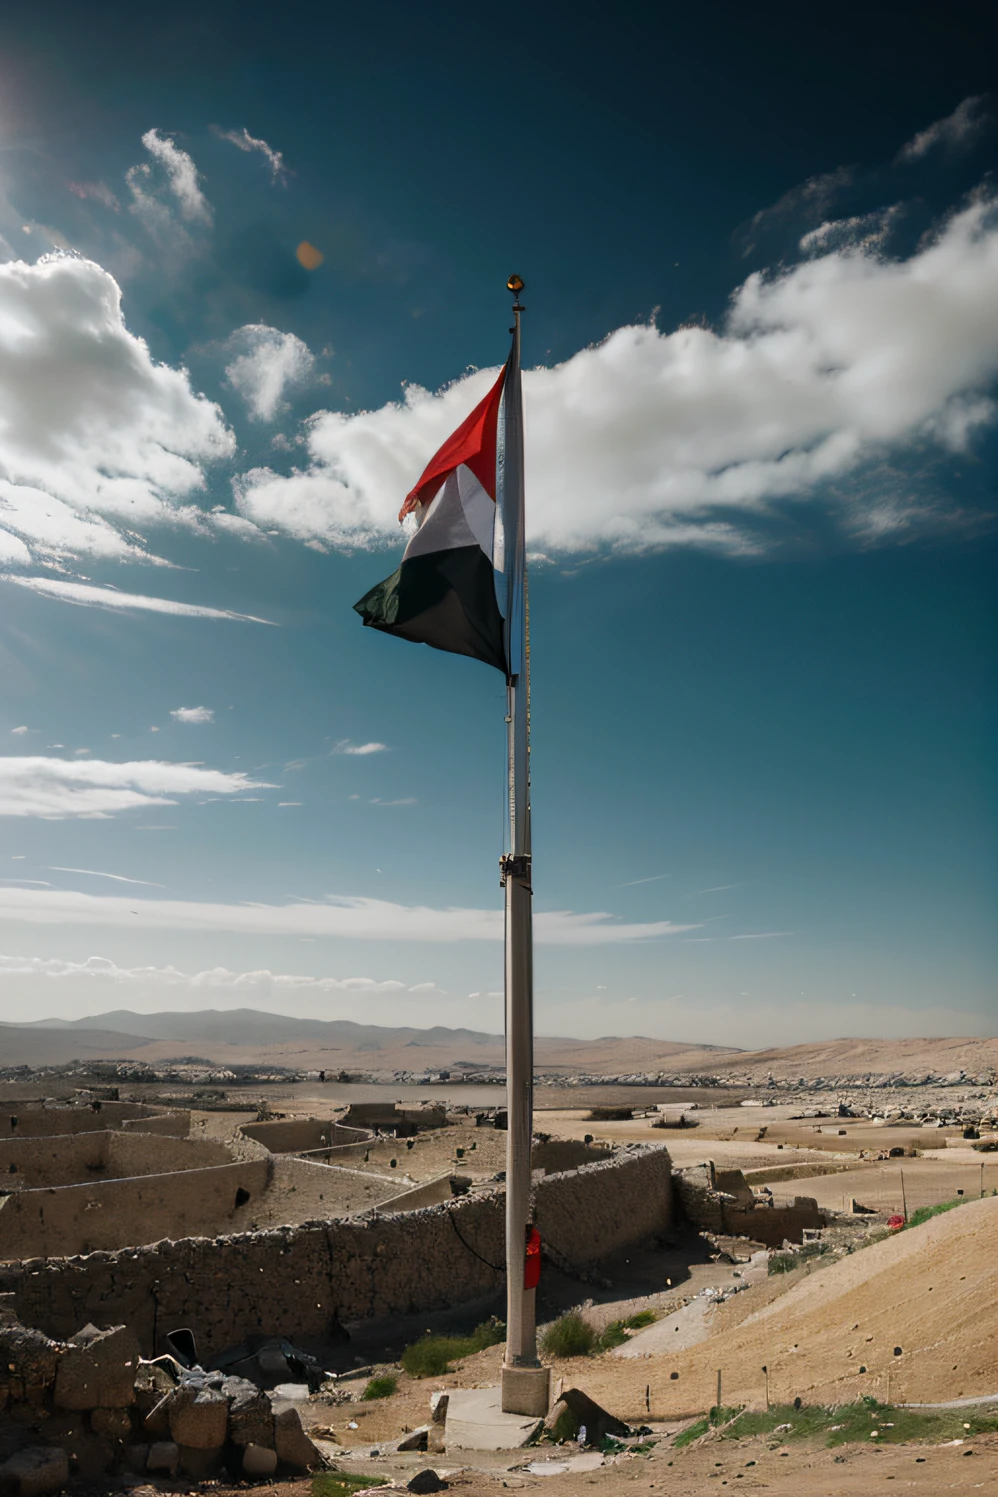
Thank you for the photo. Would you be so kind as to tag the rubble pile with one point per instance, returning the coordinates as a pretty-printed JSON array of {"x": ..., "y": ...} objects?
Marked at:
[{"x": 92, "y": 1406}]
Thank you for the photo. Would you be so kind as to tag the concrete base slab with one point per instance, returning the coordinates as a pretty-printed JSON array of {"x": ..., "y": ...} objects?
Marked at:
[
  {"x": 590, "y": 1460},
  {"x": 526, "y": 1390},
  {"x": 475, "y": 1421}
]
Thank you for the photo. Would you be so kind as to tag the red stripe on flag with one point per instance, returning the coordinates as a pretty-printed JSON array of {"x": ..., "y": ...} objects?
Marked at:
[{"x": 474, "y": 444}]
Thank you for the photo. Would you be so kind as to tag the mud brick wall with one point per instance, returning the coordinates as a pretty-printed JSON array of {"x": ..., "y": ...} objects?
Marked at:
[
  {"x": 72, "y": 1158},
  {"x": 68, "y": 1219},
  {"x": 298, "y": 1135},
  {"x": 296, "y": 1281},
  {"x": 46, "y": 1122},
  {"x": 169, "y": 1124}
]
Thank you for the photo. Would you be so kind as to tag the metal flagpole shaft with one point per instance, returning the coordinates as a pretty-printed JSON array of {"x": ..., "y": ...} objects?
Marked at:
[{"x": 525, "y": 1384}]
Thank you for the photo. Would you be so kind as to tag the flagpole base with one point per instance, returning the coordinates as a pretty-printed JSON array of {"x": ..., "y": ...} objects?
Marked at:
[{"x": 526, "y": 1390}]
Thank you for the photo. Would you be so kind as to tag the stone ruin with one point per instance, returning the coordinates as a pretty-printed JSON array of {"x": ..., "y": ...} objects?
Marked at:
[{"x": 93, "y": 1407}]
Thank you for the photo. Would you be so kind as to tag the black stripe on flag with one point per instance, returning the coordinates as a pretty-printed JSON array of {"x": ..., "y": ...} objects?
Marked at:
[{"x": 446, "y": 599}]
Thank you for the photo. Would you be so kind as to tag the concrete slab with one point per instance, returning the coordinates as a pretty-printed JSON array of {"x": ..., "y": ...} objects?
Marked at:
[
  {"x": 686, "y": 1328},
  {"x": 590, "y": 1460},
  {"x": 690, "y": 1325},
  {"x": 475, "y": 1421}
]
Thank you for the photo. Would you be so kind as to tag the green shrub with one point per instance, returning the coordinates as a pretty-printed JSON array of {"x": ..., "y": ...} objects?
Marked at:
[
  {"x": 381, "y": 1387},
  {"x": 569, "y": 1336},
  {"x": 640, "y": 1320},
  {"x": 611, "y": 1115},
  {"x": 431, "y": 1356}
]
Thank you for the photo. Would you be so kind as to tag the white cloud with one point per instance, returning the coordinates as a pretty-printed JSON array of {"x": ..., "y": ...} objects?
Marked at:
[
  {"x": 866, "y": 231},
  {"x": 353, "y": 917},
  {"x": 18, "y": 732},
  {"x": 807, "y": 201},
  {"x": 119, "y": 878},
  {"x": 58, "y": 788},
  {"x": 244, "y": 141},
  {"x": 956, "y": 129},
  {"x": 214, "y": 977},
  {"x": 172, "y": 173},
  {"x": 99, "y": 192},
  {"x": 97, "y": 438},
  {"x": 346, "y": 747},
  {"x": 193, "y": 714},
  {"x": 86, "y": 596},
  {"x": 266, "y": 363},
  {"x": 655, "y": 439}
]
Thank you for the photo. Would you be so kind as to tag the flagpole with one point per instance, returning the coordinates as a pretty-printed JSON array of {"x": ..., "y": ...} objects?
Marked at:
[{"x": 525, "y": 1384}]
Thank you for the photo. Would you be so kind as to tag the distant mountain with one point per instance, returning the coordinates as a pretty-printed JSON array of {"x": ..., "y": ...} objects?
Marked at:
[
  {"x": 247, "y": 1035},
  {"x": 35, "y": 1045},
  {"x": 253, "y": 1027}
]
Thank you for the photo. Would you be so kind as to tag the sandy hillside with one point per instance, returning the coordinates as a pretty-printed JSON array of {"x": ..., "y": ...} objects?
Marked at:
[
  {"x": 856, "y": 1057},
  {"x": 931, "y": 1291}
]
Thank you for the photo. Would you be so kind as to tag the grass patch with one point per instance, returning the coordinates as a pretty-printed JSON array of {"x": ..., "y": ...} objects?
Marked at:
[
  {"x": 381, "y": 1387},
  {"x": 343, "y": 1483},
  {"x": 926, "y": 1213},
  {"x": 716, "y": 1416},
  {"x": 569, "y": 1336},
  {"x": 431, "y": 1356},
  {"x": 691, "y": 1433},
  {"x": 855, "y": 1422},
  {"x": 615, "y": 1334}
]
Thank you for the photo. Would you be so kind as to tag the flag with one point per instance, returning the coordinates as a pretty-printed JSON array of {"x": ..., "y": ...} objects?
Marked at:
[{"x": 444, "y": 591}]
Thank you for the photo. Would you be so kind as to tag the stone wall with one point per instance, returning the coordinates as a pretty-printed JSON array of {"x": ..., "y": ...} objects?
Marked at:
[
  {"x": 557, "y": 1154},
  {"x": 298, "y": 1135},
  {"x": 588, "y": 1213},
  {"x": 297, "y": 1281},
  {"x": 713, "y": 1211},
  {"x": 69, "y": 1219},
  {"x": 73, "y": 1158}
]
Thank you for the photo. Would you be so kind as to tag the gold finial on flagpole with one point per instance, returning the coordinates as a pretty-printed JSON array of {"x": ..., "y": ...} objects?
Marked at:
[{"x": 515, "y": 284}]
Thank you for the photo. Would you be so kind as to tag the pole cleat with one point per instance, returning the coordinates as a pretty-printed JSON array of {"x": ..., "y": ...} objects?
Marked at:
[{"x": 514, "y": 867}]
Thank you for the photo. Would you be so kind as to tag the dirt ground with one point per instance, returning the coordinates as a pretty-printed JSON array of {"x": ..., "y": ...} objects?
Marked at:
[
  {"x": 911, "y": 1319},
  {"x": 748, "y": 1465}
]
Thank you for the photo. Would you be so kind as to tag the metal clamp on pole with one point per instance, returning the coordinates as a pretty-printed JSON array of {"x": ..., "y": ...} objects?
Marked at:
[{"x": 511, "y": 866}]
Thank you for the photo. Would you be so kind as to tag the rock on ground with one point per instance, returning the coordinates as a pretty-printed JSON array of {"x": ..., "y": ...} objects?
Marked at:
[
  {"x": 35, "y": 1471},
  {"x": 97, "y": 1369}
]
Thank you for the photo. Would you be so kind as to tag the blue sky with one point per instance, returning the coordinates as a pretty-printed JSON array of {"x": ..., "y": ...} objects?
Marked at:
[{"x": 762, "y": 346}]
